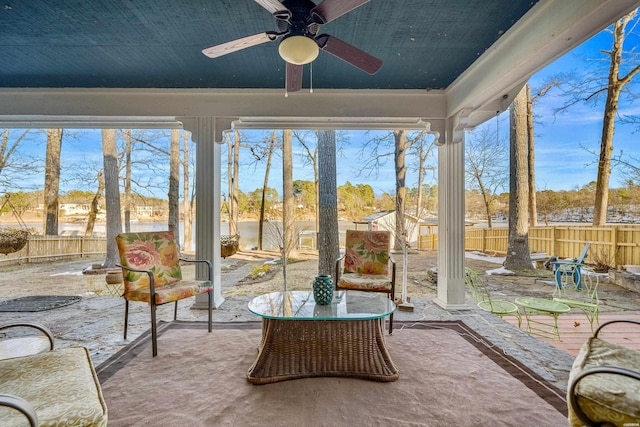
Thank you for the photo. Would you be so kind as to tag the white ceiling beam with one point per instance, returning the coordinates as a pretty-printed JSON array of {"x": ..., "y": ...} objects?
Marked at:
[
  {"x": 380, "y": 106},
  {"x": 549, "y": 30}
]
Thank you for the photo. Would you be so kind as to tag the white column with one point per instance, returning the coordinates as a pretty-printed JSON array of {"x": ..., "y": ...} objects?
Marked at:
[
  {"x": 207, "y": 234},
  {"x": 451, "y": 219}
]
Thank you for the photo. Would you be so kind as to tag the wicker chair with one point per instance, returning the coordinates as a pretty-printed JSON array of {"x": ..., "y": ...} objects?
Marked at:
[
  {"x": 365, "y": 264},
  {"x": 604, "y": 383},
  {"x": 151, "y": 273}
]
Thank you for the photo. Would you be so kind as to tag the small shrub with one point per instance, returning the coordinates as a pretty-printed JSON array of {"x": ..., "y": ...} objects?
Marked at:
[
  {"x": 602, "y": 260},
  {"x": 258, "y": 271}
]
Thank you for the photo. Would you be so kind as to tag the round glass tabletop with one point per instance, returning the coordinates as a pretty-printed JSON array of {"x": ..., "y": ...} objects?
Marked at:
[{"x": 300, "y": 305}]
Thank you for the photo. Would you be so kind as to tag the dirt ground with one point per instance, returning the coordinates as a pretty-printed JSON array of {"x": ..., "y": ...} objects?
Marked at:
[{"x": 67, "y": 278}]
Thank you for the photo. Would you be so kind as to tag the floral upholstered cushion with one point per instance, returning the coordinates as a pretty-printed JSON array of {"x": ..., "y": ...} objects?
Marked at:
[
  {"x": 606, "y": 397},
  {"x": 366, "y": 281},
  {"x": 366, "y": 261},
  {"x": 367, "y": 252},
  {"x": 61, "y": 386},
  {"x": 158, "y": 253},
  {"x": 172, "y": 292},
  {"x": 155, "y": 251}
]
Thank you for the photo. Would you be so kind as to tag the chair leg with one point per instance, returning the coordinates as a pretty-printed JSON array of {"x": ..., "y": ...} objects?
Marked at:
[
  {"x": 154, "y": 330},
  {"x": 175, "y": 311},
  {"x": 210, "y": 309},
  {"x": 126, "y": 317}
]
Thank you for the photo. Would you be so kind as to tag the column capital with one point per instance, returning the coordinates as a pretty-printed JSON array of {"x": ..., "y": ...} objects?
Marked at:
[{"x": 201, "y": 127}]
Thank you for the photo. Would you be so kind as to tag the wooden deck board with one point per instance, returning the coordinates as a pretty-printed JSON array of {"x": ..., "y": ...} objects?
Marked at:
[{"x": 575, "y": 330}]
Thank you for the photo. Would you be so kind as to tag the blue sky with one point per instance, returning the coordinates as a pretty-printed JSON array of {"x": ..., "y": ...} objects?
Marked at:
[{"x": 561, "y": 141}]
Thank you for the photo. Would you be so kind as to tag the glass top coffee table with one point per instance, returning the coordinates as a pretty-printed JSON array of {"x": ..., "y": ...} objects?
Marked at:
[{"x": 301, "y": 339}]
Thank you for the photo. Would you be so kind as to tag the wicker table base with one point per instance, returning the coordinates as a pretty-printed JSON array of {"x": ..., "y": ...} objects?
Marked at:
[{"x": 292, "y": 349}]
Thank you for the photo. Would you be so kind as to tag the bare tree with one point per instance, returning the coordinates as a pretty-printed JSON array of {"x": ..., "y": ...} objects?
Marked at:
[
  {"x": 518, "y": 257},
  {"x": 533, "y": 204},
  {"x": 127, "y": 180},
  {"x": 233, "y": 195},
  {"x": 186, "y": 202},
  {"x": 14, "y": 168},
  {"x": 112, "y": 195},
  {"x": 52, "y": 181},
  {"x": 485, "y": 160},
  {"x": 174, "y": 184},
  {"x": 265, "y": 187},
  {"x": 328, "y": 207},
  {"x": 312, "y": 157},
  {"x": 288, "y": 201},
  {"x": 589, "y": 89},
  {"x": 95, "y": 205}
]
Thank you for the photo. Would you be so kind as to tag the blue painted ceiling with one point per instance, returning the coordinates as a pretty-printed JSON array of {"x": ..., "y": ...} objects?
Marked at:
[{"x": 157, "y": 44}]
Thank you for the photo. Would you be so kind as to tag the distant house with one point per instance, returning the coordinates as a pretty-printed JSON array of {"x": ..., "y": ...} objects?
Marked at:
[
  {"x": 71, "y": 209},
  {"x": 386, "y": 220}
]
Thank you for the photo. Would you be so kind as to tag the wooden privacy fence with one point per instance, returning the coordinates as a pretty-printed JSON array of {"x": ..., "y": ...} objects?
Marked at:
[
  {"x": 611, "y": 244},
  {"x": 51, "y": 248}
]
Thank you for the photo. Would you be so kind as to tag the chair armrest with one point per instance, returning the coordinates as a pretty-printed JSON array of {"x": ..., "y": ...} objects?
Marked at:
[
  {"x": 21, "y": 405},
  {"x": 37, "y": 326},
  {"x": 338, "y": 270},
  {"x": 205, "y": 261},
  {"x": 595, "y": 335},
  {"x": 573, "y": 398},
  {"x": 152, "y": 283},
  {"x": 393, "y": 271}
]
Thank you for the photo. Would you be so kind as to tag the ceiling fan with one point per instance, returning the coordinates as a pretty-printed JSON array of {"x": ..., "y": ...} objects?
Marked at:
[{"x": 298, "y": 23}]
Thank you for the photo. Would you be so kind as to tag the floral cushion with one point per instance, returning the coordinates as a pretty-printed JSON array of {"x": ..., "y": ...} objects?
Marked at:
[
  {"x": 61, "y": 386},
  {"x": 366, "y": 261},
  {"x": 606, "y": 397},
  {"x": 156, "y": 252}
]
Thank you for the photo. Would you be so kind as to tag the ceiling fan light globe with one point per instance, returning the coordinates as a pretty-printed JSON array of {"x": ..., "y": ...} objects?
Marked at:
[{"x": 298, "y": 50}]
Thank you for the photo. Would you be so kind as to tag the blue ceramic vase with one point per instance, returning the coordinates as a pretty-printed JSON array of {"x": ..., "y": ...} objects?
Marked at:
[{"x": 323, "y": 289}]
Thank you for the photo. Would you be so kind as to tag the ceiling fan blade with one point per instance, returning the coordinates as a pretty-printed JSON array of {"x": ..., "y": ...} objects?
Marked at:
[
  {"x": 329, "y": 10},
  {"x": 294, "y": 77},
  {"x": 349, "y": 53},
  {"x": 239, "y": 44},
  {"x": 272, "y": 6}
]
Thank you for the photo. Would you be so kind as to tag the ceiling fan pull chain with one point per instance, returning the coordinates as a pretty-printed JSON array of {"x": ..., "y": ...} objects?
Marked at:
[{"x": 311, "y": 78}]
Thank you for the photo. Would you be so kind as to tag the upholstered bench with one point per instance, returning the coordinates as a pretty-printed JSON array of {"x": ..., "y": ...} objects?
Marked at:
[
  {"x": 604, "y": 384},
  {"x": 53, "y": 388}
]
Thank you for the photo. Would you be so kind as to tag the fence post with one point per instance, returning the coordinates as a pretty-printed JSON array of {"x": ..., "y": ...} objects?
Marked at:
[
  {"x": 614, "y": 243},
  {"x": 484, "y": 240},
  {"x": 553, "y": 241}
]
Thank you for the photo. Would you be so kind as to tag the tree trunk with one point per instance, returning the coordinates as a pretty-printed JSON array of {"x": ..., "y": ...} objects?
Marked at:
[
  {"x": 421, "y": 160},
  {"x": 233, "y": 222},
  {"x": 112, "y": 195},
  {"x": 186, "y": 201},
  {"x": 518, "y": 257},
  {"x": 52, "y": 181},
  {"x": 265, "y": 186},
  {"x": 95, "y": 205},
  {"x": 401, "y": 190},
  {"x": 533, "y": 204},
  {"x": 487, "y": 205},
  {"x": 608, "y": 124},
  {"x": 229, "y": 181},
  {"x": 288, "y": 201},
  {"x": 328, "y": 237},
  {"x": 174, "y": 184},
  {"x": 127, "y": 181}
]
